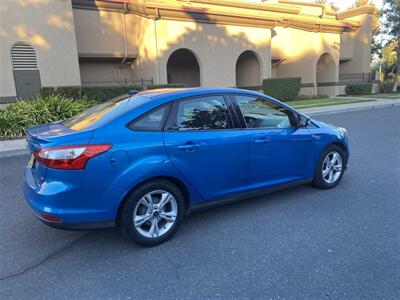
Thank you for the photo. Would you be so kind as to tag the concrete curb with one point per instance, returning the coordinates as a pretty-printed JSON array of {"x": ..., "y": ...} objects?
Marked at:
[
  {"x": 11, "y": 153},
  {"x": 12, "y": 148},
  {"x": 17, "y": 147},
  {"x": 310, "y": 112}
]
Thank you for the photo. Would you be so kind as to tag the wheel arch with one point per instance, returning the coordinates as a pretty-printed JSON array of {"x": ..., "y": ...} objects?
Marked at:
[
  {"x": 177, "y": 182},
  {"x": 341, "y": 145}
]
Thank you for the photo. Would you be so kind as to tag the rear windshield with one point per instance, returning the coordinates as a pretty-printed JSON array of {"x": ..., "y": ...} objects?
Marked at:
[{"x": 100, "y": 113}]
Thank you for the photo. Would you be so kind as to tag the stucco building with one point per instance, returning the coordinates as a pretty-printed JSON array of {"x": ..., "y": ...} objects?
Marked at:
[{"x": 193, "y": 42}]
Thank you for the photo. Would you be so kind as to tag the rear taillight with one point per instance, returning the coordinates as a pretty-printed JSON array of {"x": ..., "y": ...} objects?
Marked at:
[
  {"x": 50, "y": 218},
  {"x": 69, "y": 157}
]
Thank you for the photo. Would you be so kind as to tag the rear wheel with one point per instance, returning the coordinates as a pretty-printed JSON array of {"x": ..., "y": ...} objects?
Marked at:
[
  {"x": 330, "y": 168},
  {"x": 152, "y": 213}
]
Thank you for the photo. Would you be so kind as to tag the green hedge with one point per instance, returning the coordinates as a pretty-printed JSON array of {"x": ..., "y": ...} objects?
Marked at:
[
  {"x": 100, "y": 93},
  {"x": 16, "y": 117},
  {"x": 359, "y": 89},
  {"x": 386, "y": 87},
  {"x": 284, "y": 89},
  {"x": 312, "y": 97}
]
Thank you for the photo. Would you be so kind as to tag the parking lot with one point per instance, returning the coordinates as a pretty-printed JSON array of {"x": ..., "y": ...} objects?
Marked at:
[{"x": 301, "y": 243}]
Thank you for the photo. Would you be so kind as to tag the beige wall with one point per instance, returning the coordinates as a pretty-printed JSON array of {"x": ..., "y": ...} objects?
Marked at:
[
  {"x": 300, "y": 51},
  {"x": 105, "y": 33},
  {"x": 47, "y": 25},
  {"x": 93, "y": 71},
  {"x": 217, "y": 48},
  {"x": 360, "y": 42},
  {"x": 347, "y": 45},
  {"x": 102, "y": 38}
]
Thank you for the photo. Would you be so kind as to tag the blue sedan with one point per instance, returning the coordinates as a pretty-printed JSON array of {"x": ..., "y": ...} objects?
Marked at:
[{"x": 144, "y": 161}]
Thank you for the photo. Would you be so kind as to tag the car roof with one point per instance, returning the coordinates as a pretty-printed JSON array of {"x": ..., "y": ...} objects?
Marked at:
[
  {"x": 167, "y": 94},
  {"x": 189, "y": 92}
]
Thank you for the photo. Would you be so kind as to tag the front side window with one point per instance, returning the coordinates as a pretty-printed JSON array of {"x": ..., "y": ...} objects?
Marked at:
[
  {"x": 259, "y": 113},
  {"x": 152, "y": 121},
  {"x": 206, "y": 113}
]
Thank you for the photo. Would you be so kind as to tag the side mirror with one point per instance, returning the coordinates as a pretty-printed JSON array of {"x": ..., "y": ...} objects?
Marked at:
[{"x": 303, "y": 121}]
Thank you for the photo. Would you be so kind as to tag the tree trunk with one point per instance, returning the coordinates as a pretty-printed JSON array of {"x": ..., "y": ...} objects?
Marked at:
[{"x": 396, "y": 78}]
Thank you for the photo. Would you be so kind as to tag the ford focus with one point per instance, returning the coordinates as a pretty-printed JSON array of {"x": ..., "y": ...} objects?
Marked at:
[{"x": 145, "y": 161}]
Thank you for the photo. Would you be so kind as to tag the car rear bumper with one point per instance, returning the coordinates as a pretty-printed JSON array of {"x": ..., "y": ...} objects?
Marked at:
[
  {"x": 69, "y": 206},
  {"x": 76, "y": 226}
]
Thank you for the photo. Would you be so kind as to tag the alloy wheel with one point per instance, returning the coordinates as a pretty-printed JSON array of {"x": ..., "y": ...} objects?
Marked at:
[
  {"x": 155, "y": 214},
  {"x": 332, "y": 167}
]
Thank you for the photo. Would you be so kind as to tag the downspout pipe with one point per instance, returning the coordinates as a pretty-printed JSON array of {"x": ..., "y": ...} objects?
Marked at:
[
  {"x": 315, "y": 80},
  {"x": 156, "y": 17},
  {"x": 125, "y": 40}
]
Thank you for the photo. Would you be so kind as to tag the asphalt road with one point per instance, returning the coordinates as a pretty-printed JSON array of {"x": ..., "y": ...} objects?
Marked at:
[{"x": 301, "y": 243}]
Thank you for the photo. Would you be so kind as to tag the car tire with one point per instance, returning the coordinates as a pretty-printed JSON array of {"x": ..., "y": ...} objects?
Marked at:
[
  {"x": 327, "y": 174},
  {"x": 150, "y": 223}
]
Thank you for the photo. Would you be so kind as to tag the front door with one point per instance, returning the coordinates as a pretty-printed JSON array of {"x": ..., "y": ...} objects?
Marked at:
[
  {"x": 204, "y": 146},
  {"x": 279, "y": 152}
]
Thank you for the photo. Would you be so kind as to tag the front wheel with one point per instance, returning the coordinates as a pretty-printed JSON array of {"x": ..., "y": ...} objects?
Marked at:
[
  {"x": 330, "y": 168},
  {"x": 152, "y": 213}
]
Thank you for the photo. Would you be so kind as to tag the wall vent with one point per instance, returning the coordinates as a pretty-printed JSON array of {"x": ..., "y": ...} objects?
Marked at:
[{"x": 23, "y": 57}]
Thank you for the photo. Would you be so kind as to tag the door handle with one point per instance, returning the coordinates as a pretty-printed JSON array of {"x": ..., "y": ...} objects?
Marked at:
[
  {"x": 188, "y": 147},
  {"x": 262, "y": 141}
]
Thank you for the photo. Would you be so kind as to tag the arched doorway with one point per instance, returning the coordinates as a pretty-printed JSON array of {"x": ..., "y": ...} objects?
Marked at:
[
  {"x": 248, "y": 70},
  {"x": 25, "y": 70},
  {"x": 326, "y": 74},
  {"x": 183, "y": 68}
]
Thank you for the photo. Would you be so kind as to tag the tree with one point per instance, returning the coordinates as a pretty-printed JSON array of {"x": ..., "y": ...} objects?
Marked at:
[
  {"x": 389, "y": 59},
  {"x": 392, "y": 29}
]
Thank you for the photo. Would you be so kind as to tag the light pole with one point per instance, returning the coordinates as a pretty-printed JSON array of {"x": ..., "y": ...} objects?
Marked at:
[{"x": 381, "y": 56}]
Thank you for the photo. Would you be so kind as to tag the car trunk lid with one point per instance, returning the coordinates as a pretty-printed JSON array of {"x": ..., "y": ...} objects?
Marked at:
[{"x": 51, "y": 135}]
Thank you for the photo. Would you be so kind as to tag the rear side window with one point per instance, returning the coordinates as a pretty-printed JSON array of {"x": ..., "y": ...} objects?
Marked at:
[
  {"x": 205, "y": 113},
  {"x": 152, "y": 121},
  {"x": 89, "y": 117}
]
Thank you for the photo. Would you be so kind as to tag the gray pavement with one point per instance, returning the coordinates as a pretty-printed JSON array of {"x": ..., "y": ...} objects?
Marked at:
[{"x": 301, "y": 243}]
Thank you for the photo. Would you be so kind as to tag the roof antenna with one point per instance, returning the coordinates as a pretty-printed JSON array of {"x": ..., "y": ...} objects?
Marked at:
[{"x": 128, "y": 91}]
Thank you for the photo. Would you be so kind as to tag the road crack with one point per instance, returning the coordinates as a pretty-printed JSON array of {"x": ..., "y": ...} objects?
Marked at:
[
  {"x": 45, "y": 259},
  {"x": 175, "y": 266}
]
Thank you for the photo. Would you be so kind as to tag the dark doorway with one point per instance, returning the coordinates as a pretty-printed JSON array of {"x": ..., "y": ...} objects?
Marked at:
[
  {"x": 248, "y": 70},
  {"x": 183, "y": 68}
]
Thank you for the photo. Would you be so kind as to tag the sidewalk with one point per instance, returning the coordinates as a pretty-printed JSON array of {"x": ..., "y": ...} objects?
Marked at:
[
  {"x": 17, "y": 147},
  {"x": 12, "y": 148},
  {"x": 327, "y": 110}
]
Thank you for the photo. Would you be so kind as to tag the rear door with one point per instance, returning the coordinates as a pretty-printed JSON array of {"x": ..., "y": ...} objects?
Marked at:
[
  {"x": 204, "y": 145},
  {"x": 279, "y": 151}
]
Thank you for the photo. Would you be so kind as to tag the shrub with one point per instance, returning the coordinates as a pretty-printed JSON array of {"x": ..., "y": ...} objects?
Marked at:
[
  {"x": 386, "y": 87},
  {"x": 100, "y": 93},
  {"x": 18, "y": 116},
  {"x": 284, "y": 89},
  {"x": 359, "y": 89},
  {"x": 312, "y": 97}
]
